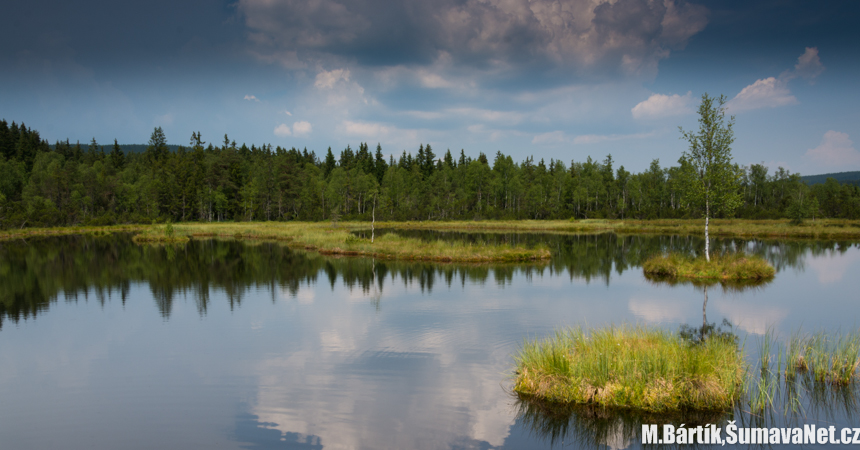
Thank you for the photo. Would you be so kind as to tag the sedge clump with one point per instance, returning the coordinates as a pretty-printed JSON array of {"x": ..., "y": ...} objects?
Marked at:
[
  {"x": 631, "y": 367},
  {"x": 732, "y": 266}
]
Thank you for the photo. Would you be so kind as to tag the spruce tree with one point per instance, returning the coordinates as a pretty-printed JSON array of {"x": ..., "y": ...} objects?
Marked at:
[
  {"x": 380, "y": 166},
  {"x": 329, "y": 163},
  {"x": 117, "y": 157}
]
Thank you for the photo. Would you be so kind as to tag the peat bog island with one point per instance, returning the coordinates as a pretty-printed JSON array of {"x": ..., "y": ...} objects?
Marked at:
[{"x": 454, "y": 225}]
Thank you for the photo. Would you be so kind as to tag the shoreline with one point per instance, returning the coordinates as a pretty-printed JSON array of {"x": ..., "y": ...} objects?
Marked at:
[{"x": 824, "y": 229}]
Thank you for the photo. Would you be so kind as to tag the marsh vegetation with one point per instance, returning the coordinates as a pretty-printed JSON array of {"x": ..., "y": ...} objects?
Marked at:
[
  {"x": 661, "y": 372},
  {"x": 724, "y": 267},
  {"x": 631, "y": 367}
]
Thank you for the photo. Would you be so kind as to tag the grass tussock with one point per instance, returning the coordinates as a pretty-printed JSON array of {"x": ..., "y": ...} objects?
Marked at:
[
  {"x": 159, "y": 235},
  {"x": 831, "y": 359},
  {"x": 631, "y": 367},
  {"x": 729, "y": 267},
  {"x": 323, "y": 238}
]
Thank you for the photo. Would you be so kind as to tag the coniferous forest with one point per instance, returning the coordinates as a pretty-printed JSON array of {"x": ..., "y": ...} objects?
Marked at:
[{"x": 43, "y": 184}]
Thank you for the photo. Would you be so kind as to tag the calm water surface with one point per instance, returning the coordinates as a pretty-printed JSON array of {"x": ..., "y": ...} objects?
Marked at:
[{"x": 105, "y": 344}]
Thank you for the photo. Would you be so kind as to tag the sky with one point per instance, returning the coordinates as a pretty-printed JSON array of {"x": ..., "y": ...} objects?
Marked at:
[{"x": 543, "y": 78}]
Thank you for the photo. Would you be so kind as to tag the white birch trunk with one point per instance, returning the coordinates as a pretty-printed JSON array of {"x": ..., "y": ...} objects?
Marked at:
[{"x": 707, "y": 241}]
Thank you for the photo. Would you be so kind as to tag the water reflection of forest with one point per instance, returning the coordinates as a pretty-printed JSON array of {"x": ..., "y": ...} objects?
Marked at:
[{"x": 34, "y": 273}]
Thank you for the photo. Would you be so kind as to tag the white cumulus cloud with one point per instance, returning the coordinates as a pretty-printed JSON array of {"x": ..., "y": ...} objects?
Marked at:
[
  {"x": 659, "y": 105},
  {"x": 283, "y": 130},
  {"x": 766, "y": 93},
  {"x": 328, "y": 78},
  {"x": 299, "y": 129},
  {"x": 836, "y": 151},
  {"x": 252, "y": 98},
  {"x": 302, "y": 128},
  {"x": 773, "y": 92},
  {"x": 809, "y": 64}
]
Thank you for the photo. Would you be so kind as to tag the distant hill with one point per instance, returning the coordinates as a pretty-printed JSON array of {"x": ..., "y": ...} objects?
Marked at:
[{"x": 841, "y": 177}]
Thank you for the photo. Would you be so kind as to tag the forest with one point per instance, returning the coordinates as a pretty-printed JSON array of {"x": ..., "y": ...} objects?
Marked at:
[{"x": 64, "y": 184}]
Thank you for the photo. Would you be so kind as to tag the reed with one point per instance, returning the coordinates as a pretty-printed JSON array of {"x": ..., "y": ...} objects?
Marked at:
[
  {"x": 728, "y": 267},
  {"x": 762, "y": 390},
  {"x": 814, "y": 364},
  {"x": 795, "y": 355},
  {"x": 631, "y": 367},
  {"x": 833, "y": 359}
]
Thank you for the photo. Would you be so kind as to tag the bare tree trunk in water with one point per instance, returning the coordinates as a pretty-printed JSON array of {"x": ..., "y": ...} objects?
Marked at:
[
  {"x": 707, "y": 241},
  {"x": 704, "y": 315},
  {"x": 373, "y": 220}
]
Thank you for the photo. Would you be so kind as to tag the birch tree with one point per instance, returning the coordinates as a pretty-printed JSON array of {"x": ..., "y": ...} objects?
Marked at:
[{"x": 710, "y": 178}]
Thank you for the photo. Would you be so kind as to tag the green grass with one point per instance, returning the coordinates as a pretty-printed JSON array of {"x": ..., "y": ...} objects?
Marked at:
[
  {"x": 728, "y": 267},
  {"x": 747, "y": 228},
  {"x": 631, "y": 367},
  {"x": 659, "y": 372},
  {"x": 829, "y": 359},
  {"x": 165, "y": 235},
  {"x": 325, "y": 239},
  {"x": 24, "y": 233}
]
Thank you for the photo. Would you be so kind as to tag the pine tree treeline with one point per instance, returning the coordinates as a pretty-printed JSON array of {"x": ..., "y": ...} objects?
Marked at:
[{"x": 72, "y": 184}]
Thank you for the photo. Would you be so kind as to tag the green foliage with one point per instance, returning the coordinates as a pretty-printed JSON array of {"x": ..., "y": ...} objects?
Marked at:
[
  {"x": 71, "y": 184},
  {"x": 710, "y": 180}
]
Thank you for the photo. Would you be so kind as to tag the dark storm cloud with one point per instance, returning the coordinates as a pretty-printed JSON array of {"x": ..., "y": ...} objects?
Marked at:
[
  {"x": 587, "y": 35},
  {"x": 629, "y": 34}
]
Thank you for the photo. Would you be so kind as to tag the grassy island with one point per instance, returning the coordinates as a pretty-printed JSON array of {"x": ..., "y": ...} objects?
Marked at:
[
  {"x": 637, "y": 368},
  {"x": 656, "y": 372},
  {"x": 729, "y": 267},
  {"x": 340, "y": 240}
]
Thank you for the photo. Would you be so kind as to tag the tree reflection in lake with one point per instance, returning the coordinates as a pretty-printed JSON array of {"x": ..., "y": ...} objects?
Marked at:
[
  {"x": 698, "y": 334},
  {"x": 348, "y": 352},
  {"x": 36, "y": 272},
  {"x": 588, "y": 426},
  {"x": 589, "y": 256}
]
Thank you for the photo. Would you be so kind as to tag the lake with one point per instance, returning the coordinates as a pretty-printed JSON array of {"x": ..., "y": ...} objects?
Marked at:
[{"x": 223, "y": 344}]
